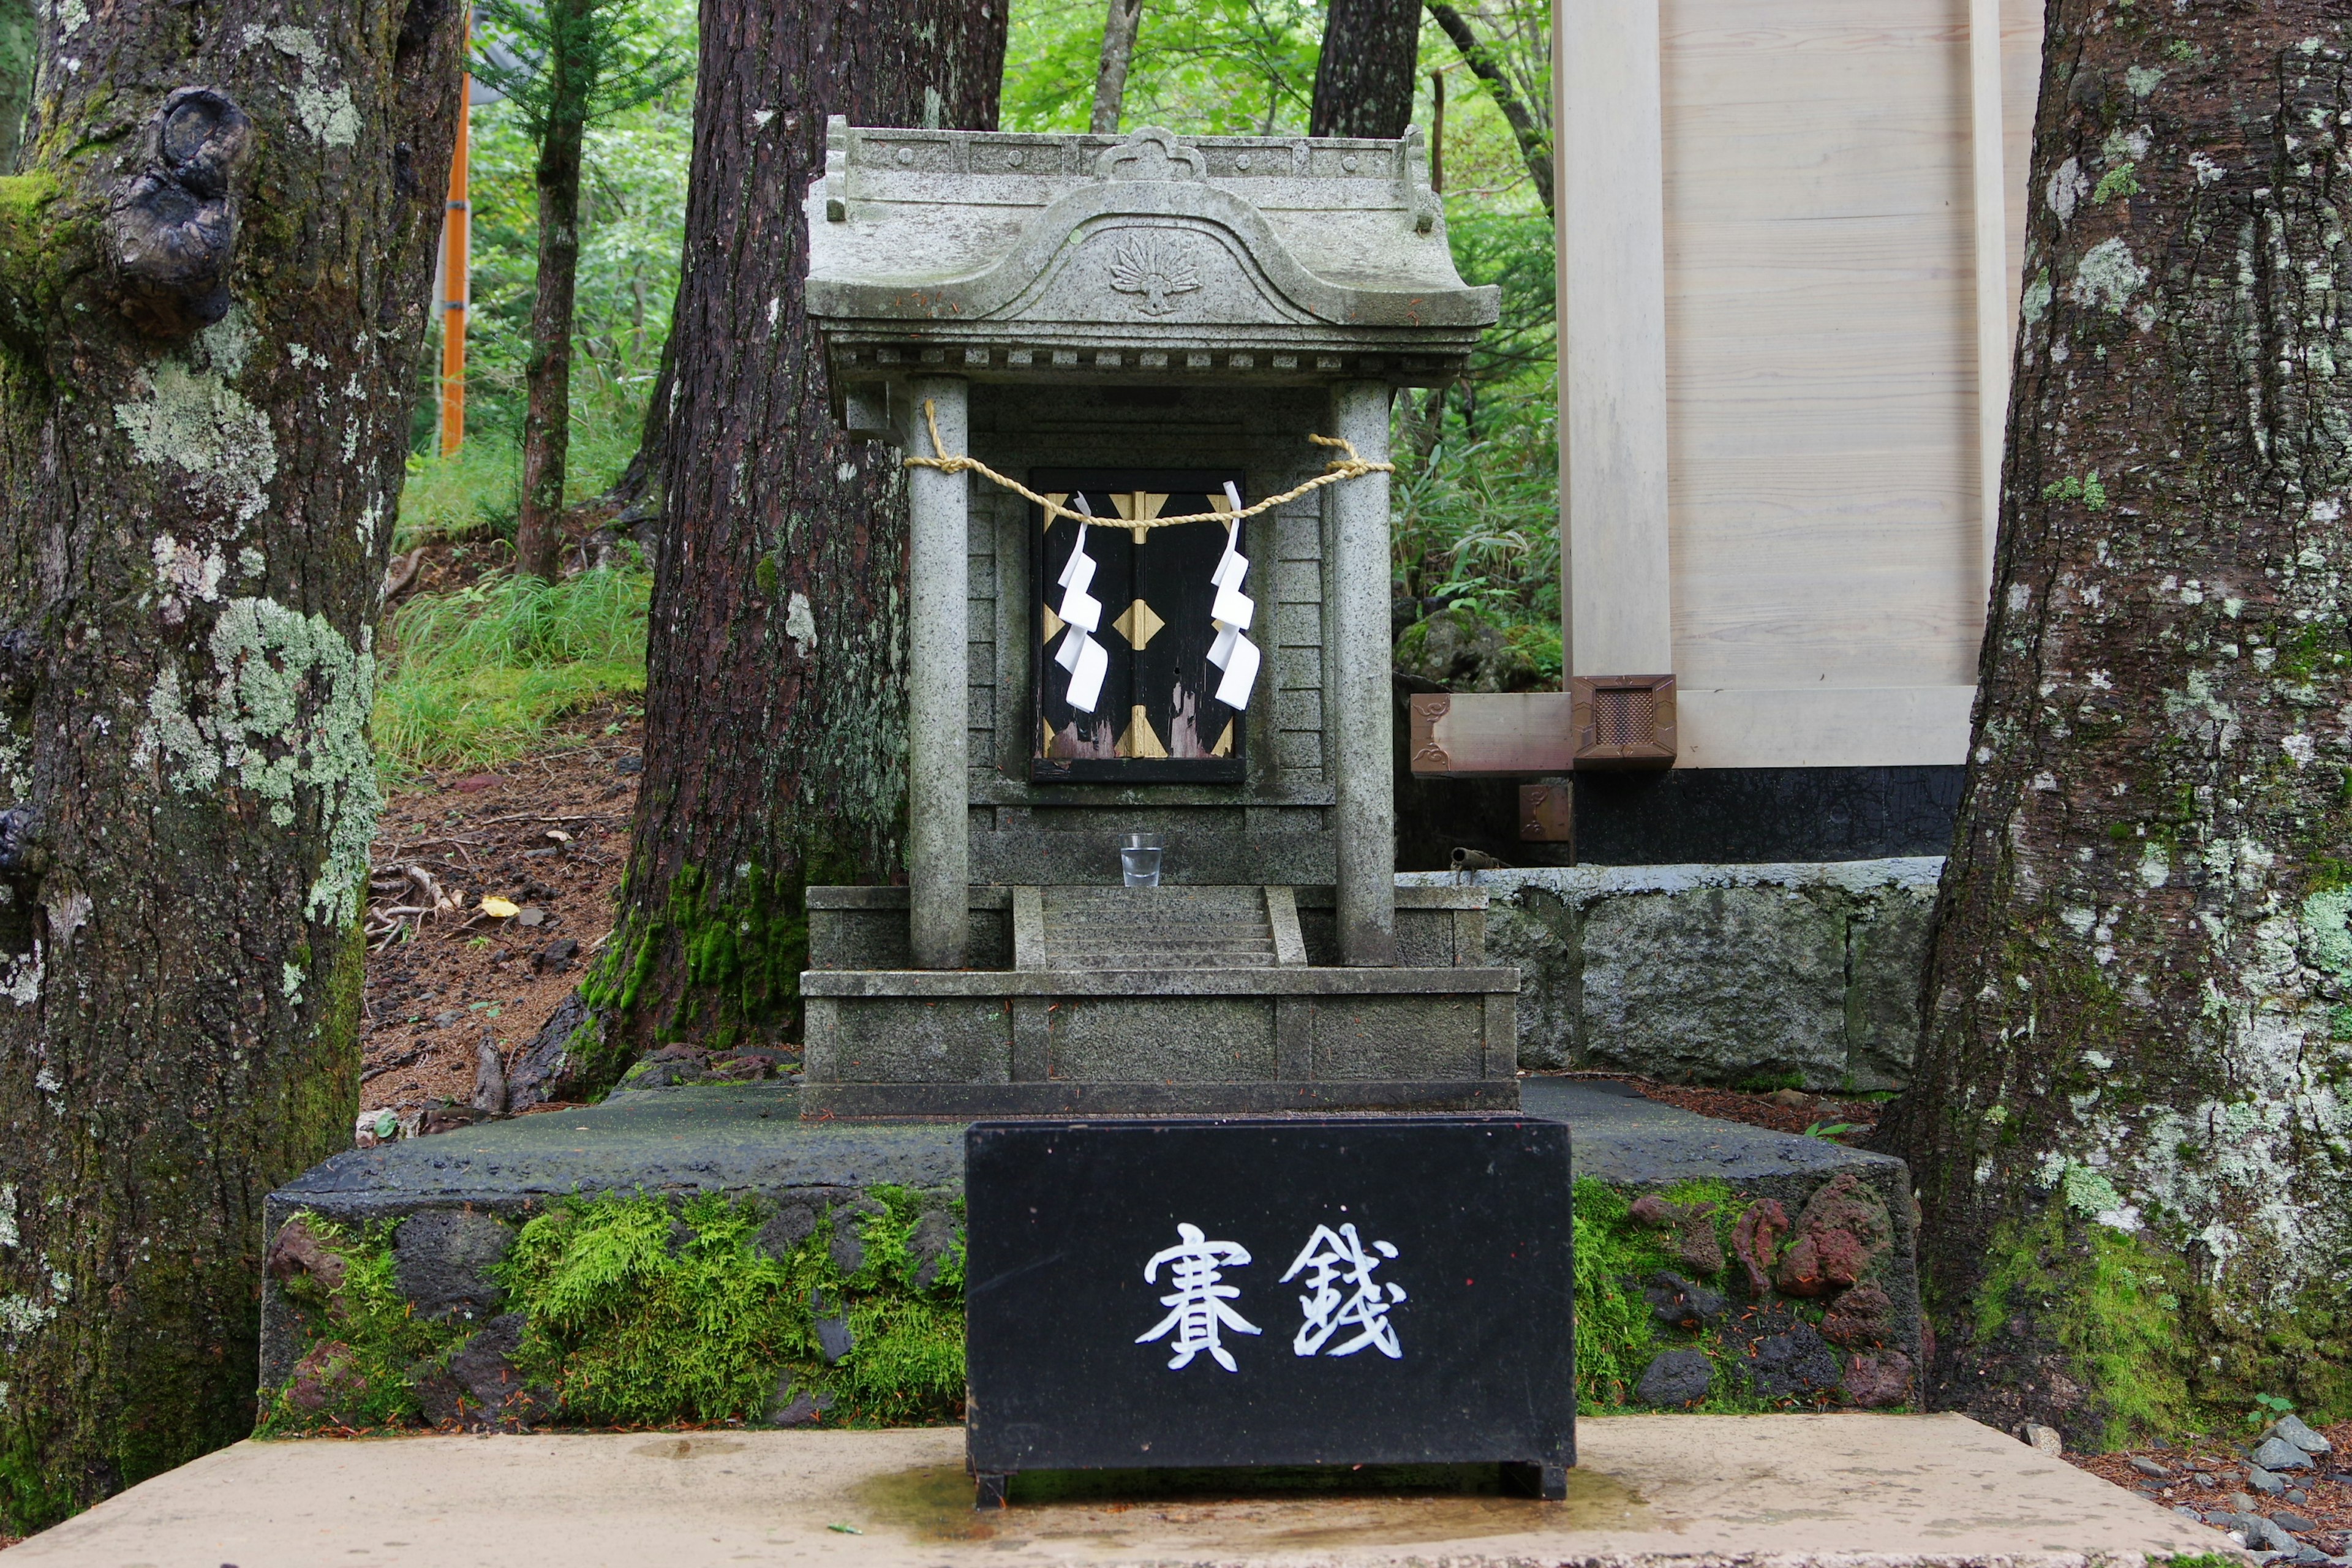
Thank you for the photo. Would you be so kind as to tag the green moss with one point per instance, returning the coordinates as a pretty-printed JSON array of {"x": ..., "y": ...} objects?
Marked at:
[
  {"x": 368, "y": 1313},
  {"x": 33, "y": 1496},
  {"x": 744, "y": 940},
  {"x": 634, "y": 1321},
  {"x": 629, "y": 1332},
  {"x": 1616, "y": 1333},
  {"x": 2110, "y": 1302}
]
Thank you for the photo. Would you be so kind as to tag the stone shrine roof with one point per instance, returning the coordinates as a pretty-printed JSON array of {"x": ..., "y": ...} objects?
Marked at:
[{"x": 1008, "y": 257}]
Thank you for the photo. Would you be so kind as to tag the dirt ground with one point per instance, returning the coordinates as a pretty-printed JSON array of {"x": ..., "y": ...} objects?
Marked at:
[
  {"x": 548, "y": 834},
  {"x": 1781, "y": 1111},
  {"x": 2207, "y": 1474}
]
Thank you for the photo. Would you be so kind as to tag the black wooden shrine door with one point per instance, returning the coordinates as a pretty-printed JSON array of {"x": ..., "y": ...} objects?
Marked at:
[{"x": 1157, "y": 720}]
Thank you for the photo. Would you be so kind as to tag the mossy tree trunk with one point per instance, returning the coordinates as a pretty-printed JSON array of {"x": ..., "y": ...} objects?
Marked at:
[
  {"x": 211, "y": 301},
  {"x": 775, "y": 699},
  {"x": 2132, "y": 1123},
  {"x": 1365, "y": 79}
]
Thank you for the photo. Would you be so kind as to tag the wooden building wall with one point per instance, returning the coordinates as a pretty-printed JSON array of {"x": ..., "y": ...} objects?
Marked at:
[{"x": 1790, "y": 236}]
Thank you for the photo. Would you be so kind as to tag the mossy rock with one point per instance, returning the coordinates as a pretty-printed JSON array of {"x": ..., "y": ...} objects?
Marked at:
[{"x": 638, "y": 1311}]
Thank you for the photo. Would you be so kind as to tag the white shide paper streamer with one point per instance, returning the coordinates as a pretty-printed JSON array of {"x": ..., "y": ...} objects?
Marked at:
[
  {"x": 1080, "y": 655},
  {"x": 1230, "y": 615}
]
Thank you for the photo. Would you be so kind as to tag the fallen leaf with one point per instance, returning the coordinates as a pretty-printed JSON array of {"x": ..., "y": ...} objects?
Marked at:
[
  {"x": 499, "y": 907},
  {"x": 559, "y": 835}
]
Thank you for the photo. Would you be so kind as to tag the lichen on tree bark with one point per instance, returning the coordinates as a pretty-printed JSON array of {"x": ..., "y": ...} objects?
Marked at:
[
  {"x": 211, "y": 299},
  {"x": 2132, "y": 1122}
]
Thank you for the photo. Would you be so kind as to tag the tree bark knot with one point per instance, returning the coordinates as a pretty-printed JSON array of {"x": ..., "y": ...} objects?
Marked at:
[{"x": 171, "y": 228}]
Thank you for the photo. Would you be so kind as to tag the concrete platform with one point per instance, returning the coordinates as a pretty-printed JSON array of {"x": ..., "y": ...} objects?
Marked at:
[{"x": 1690, "y": 1490}]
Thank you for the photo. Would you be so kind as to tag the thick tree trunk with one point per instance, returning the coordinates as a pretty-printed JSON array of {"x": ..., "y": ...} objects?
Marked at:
[
  {"x": 1120, "y": 21},
  {"x": 206, "y": 369},
  {"x": 1535, "y": 143},
  {"x": 637, "y": 494},
  {"x": 2132, "y": 1125},
  {"x": 1369, "y": 66},
  {"x": 547, "y": 416},
  {"x": 775, "y": 701}
]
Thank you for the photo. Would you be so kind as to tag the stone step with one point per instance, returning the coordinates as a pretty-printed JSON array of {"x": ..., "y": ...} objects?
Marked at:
[{"x": 1157, "y": 927}]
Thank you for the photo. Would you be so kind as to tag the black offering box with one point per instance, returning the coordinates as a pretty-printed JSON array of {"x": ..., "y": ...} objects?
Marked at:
[{"x": 1278, "y": 1292}]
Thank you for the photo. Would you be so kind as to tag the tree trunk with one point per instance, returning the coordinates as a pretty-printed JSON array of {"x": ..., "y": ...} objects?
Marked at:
[
  {"x": 206, "y": 365},
  {"x": 775, "y": 699},
  {"x": 15, "y": 77},
  {"x": 2130, "y": 1128},
  {"x": 1370, "y": 64},
  {"x": 1119, "y": 26},
  {"x": 547, "y": 417},
  {"x": 1535, "y": 142},
  {"x": 637, "y": 494}
]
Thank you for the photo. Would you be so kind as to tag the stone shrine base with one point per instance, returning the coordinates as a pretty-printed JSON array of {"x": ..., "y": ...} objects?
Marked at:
[{"x": 1694, "y": 1492}]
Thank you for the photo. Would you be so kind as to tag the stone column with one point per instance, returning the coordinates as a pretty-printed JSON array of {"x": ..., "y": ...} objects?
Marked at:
[
  {"x": 1358, "y": 630},
  {"x": 939, "y": 843}
]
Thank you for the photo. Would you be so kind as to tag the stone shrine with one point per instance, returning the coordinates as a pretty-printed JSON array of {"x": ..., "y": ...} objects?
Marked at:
[{"x": 1125, "y": 331}]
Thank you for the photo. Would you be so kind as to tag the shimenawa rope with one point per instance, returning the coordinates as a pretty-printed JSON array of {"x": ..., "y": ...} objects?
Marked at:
[{"x": 1347, "y": 468}]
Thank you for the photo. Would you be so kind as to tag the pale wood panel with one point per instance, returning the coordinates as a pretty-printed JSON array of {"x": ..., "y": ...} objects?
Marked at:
[
  {"x": 1820, "y": 353},
  {"x": 1615, "y": 589},
  {"x": 2020, "y": 90},
  {"x": 1884, "y": 727}
]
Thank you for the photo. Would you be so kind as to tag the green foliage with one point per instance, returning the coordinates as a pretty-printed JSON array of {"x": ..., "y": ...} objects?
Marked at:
[
  {"x": 477, "y": 675},
  {"x": 578, "y": 60},
  {"x": 632, "y": 222},
  {"x": 2268, "y": 1408},
  {"x": 2112, "y": 1304},
  {"x": 1766, "y": 1082},
  {"x": 1207, "y": 68}
]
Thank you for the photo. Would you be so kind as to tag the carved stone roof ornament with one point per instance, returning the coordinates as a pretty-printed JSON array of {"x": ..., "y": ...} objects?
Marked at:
[{"x": 1001, "y": 257}]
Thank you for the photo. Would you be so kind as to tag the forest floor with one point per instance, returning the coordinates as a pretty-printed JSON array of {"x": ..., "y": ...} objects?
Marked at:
[
  {"x": 547, "y": 833},
  {"x": 2208, "y": 1476}
]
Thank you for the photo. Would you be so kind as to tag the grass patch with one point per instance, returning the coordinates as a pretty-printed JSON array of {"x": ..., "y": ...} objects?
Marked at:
[
  {"x": 476, "y": 492},
  {"x": 478, "y": 675}
]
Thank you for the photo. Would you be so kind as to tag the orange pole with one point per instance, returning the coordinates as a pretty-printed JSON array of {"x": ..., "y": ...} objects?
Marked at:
[{"x": 455, "y": 279}]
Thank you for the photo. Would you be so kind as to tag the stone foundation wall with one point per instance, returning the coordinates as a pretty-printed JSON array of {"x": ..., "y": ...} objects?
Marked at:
[{"x": 1722, "y": 975}]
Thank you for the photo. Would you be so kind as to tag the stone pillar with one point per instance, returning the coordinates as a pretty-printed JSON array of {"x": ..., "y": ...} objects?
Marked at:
[
  {"x": 939, "y": 843},
  {"x": 1358, "y": 630}
]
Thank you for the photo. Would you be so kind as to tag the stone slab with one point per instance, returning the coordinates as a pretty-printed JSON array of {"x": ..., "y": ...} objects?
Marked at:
[
  {"x": 750, "y": 1139},
  {"x": 1716, "y": 973},
  {"x": 1694, "y": 1492}
]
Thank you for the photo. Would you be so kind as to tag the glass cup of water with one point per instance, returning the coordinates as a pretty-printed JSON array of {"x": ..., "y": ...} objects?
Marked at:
[{"x": 1139, "y": 859}]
